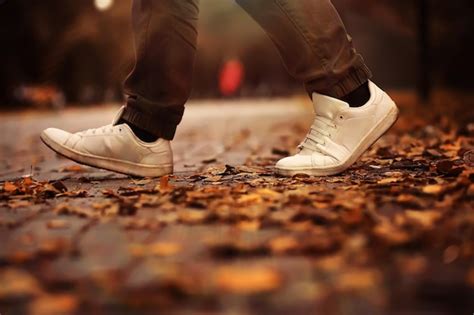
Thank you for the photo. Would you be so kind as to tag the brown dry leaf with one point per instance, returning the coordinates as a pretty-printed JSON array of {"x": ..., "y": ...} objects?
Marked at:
[
  {"x": 451, "y": 253},
  {"x": 108, "y": 193},
  {"x": 142, "y": 182},
  {"x": 390, "y": 234},
  {"x": 448, "y": 167},
  {"x": 73, "y": 169},
  {"x": 164, "y": 249},
  {"x": 66, "y": 209},
  {"x": 249, "y": 199},
  {"x": 452, "y": 149},
  {"x": 426, "y": 219},
  {"x": 352, "y": 216},
  {"x": 165, "y": 185},
  {"x": 470, "y": 190},
  {"x": 27, "y": 181},
  {"x": 137, "y": 250},
  {"x": 247, "y": 279},
  {"x": 191, "y": 216},
  {"x": 468, "y": 158},
  {"x": 112, "y": 210},
  {"x": 57, "y": 224},
  {"x": 54, "y": 305},
  {"x": 283, "y": 216},
  {"x": 53, "y": 246},
  {"x": 410, "y": 199},
  {"x": 74, "y": 194},
  {"x": 252, "y": 212},
  {"x": 20, "y": 256},
  {"x": 330, "y": 263},
  {"x": 167, "y": 218},
  {"x": 284, "y": 245},
  {"x": 15, "y": 204},
  {"x": 253, "y": 225},
  {"x": 356, "y": 280},
  {"x": 269, "y": 194},
  {"x": 17, "y": 284},
  {"x": 412, "y": 265}
]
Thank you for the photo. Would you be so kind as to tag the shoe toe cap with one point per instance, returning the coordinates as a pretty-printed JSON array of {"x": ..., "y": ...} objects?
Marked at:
[
  {"x": 299, "y": 161},
  {"x": 294, "y": 162},
  {"x": 55, "y": 135}
]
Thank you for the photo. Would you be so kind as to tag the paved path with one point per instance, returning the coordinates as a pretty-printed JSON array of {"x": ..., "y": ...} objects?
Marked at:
[
  {"x": 394, "y": 235},
  {"x": 208, "y": 131}
]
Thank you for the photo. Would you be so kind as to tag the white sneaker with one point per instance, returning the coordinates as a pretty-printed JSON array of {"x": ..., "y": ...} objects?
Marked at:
[
  {"x": 340, "y": 134},
  {"x": 113, "y": 147}
]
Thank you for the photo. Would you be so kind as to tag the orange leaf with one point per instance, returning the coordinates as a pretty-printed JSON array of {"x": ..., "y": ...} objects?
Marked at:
[
  {"x": 247, "y": 280},
  {"x": 9, "y": 187}
]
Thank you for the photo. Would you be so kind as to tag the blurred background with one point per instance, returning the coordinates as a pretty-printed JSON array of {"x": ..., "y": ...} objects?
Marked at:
[{"x": 57, "y": 52}]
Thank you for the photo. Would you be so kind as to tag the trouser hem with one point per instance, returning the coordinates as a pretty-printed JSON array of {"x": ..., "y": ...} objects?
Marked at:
[
  {"x": 354, "y": 79},
  {"x": 162, "y": 123}
]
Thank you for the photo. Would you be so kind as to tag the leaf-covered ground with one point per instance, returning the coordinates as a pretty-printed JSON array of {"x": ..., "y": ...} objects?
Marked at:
[{"x": 225, "y": 235}]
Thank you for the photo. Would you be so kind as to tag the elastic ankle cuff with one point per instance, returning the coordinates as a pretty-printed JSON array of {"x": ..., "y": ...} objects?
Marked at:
[
  {"x": 354, "y": 79},
  {"x": 351, "y": 82},
  {"x": 152, "y": 124}
]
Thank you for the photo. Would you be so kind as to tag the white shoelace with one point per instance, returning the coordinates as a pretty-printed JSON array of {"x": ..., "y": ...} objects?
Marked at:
[
  {"x": 100, "y": 130},
  {"x": 316, "y": 137}
]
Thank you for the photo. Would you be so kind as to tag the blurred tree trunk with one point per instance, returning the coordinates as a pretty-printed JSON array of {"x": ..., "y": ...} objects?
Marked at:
[{"x": 424, "y": 84}]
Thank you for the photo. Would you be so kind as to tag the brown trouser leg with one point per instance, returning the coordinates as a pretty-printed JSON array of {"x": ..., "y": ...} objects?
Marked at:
[
  {"x": 309, "y": 35},
  {"x": 160, "y": 83}
]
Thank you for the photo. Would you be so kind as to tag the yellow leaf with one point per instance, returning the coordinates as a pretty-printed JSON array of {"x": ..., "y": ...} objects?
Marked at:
[
  {"x": 388, "y": 180},
  {"x": 433, "y": 189},
  {"x": 426, "y": 219}
]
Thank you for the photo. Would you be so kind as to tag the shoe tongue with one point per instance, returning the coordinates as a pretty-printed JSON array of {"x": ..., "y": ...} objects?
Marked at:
[
  {"x": 327, "y": 106},
  {"x": 118, "y": 116}
]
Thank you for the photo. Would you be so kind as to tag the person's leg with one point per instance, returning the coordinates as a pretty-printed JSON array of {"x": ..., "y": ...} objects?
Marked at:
[
  {"x": 137, "y": 142},
  {"x": 316, "y": 50},
  {"x": 160, "y": 83},
  {"x": 313, "y": 43}
]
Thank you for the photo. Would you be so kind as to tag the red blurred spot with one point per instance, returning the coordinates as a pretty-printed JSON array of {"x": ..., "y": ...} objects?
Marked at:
[{"x": 231, "y": 77}]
